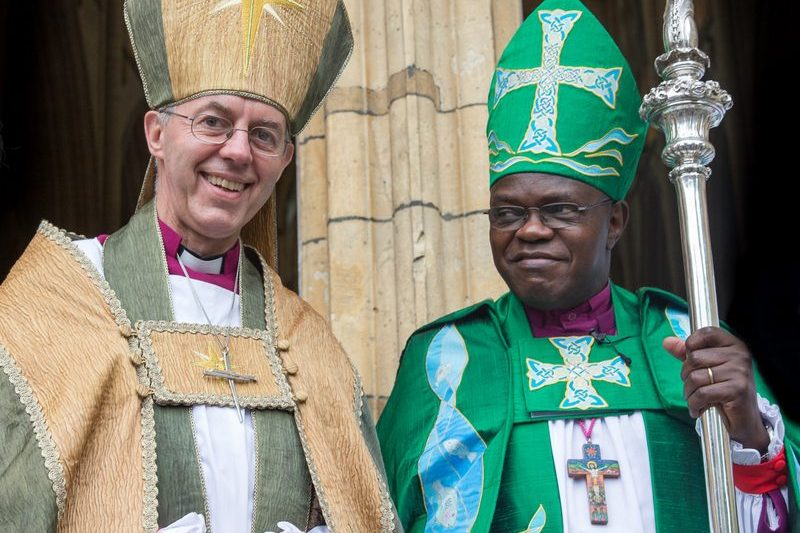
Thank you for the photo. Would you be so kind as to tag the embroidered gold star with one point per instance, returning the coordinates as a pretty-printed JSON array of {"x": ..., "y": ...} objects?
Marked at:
[
  {"x": 252, "y": 11},
  {"x": 212, "y": 361},
  {"x": 215, "y": 366}
]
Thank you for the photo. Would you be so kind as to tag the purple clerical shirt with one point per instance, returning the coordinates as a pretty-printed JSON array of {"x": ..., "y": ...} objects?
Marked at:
[
  {"x": 226, "y": 278},
  {"x": 596, "y": 314}
]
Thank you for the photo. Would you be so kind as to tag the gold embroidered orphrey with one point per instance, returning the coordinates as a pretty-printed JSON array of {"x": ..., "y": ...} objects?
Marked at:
[
  {"x": 218, "y": 361},
  {"x": 101, "y": 456},
  {"x": 175, "y": 380}
]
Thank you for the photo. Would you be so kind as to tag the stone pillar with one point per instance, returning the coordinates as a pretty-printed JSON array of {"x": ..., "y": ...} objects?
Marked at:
[{"x": 393, "y": 177}]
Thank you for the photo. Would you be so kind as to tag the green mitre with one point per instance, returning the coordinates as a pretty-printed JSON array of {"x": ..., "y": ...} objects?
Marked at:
[{"x": 563, "y": 101}]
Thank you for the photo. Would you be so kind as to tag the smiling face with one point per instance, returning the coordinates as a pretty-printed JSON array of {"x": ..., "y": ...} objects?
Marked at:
[
  {"x": 208, "y": 192},
  {"x": 555, "y": 269}
]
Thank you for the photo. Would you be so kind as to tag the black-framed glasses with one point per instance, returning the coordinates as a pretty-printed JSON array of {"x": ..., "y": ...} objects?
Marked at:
[
  {"x": 212, "y": 129},
  {"x": 555, "y": 216}
]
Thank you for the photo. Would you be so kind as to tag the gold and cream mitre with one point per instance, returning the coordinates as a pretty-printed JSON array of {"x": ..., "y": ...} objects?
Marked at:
[{"x": 286, "y": 53}]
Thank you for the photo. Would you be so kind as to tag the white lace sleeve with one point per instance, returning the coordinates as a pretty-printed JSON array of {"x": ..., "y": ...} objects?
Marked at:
[{"x": 749, "y": 506}]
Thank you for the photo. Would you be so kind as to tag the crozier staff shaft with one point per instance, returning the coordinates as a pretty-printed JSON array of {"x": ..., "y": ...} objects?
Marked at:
[{"x": 685, "y": 108}]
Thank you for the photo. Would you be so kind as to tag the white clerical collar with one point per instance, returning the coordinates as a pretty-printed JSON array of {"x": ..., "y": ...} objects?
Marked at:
[{"x": 211, "y": 265}]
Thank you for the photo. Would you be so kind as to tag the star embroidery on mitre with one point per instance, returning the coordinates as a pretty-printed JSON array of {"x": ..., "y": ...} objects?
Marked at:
[{"x": 252, "y": 10}]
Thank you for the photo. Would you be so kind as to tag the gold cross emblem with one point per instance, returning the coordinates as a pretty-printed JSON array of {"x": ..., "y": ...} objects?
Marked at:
[{"x": 217, "y": 364}]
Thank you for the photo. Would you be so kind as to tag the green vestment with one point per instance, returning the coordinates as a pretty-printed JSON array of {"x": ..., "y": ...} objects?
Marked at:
[{"x": 465, "y": 436}]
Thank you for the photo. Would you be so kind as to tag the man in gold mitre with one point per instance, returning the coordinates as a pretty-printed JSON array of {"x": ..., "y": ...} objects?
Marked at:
[{"x": 161, "y": 377}]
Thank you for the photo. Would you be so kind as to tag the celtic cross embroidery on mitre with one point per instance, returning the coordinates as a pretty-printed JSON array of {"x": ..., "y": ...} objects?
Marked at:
[
  {"x": 541, "y": 135},
  {"x": 602, "y": 82}
]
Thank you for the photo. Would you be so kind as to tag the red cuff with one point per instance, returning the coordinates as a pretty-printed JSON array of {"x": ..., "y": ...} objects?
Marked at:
[{"x": 761, "y": 478}]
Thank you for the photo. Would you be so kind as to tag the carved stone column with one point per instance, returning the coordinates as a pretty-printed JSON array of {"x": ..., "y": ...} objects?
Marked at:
[{"x": 393, "y": 176}]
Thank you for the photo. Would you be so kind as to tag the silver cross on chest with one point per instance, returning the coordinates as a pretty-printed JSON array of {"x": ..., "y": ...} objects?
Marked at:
[{"x": 217, "y": 364}]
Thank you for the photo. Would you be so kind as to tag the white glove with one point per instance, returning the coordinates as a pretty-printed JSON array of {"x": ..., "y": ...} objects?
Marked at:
[
  {"x": 287, "y": 527},
  {"x": 191, "y": 523}
]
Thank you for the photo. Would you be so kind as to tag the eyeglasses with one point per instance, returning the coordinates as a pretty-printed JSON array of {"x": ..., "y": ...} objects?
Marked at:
[
  {"x": 211, "y": 129},
  {"x": 555, "y": 216}
]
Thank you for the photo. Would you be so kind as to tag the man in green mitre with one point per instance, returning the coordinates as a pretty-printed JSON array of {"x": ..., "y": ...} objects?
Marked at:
[
  {"x": 161, "y": 377},
  {"x": 569, "y": 403}
]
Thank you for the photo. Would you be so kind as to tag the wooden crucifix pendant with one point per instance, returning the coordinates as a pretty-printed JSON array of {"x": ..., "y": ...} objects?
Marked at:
[{"x": 595, "y": 469}]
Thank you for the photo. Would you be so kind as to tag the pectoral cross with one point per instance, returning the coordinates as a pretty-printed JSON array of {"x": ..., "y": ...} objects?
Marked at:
[
  {"x": 595, "y": 469},
  {"x": 217, "y": 364}
]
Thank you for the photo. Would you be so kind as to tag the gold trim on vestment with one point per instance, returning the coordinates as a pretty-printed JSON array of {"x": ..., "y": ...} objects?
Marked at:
[
  {"x": 387, "y": 505},
  {"x": 71, "y": 342},
  {"x": 270, "y": 311},
  {"x": 302, "y": 326},
  {"x": 43, "y": 437},
  {"x": 107, "y": 449},
  {"x": 202, "y": 473},
  {"x": 176, "y": 380},
  {"x": 148, "y": 442},
  {"x": 312, "y": 470},
  {"x": 136, "y": 56},
  {"x": 358, "y": 393},
  {"x": 148, "y": 422},
  {"x": 61, "y": 237},
  {"x": 163, "y": 258},
  {"x": 150, "y": 472},
  {"x": 256, "y": 473}
]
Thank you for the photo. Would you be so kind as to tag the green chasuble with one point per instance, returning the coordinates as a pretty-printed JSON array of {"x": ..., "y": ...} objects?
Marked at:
[{"x": 465, "y": 434}]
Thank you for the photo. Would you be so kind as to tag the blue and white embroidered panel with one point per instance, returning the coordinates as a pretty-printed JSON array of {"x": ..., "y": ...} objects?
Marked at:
[
  {"x": 578, "y": 372},
  {"x": 451, "y": 466},
  {"x": 679, "y": 321},
  {"x": 538, "y": 521}
]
